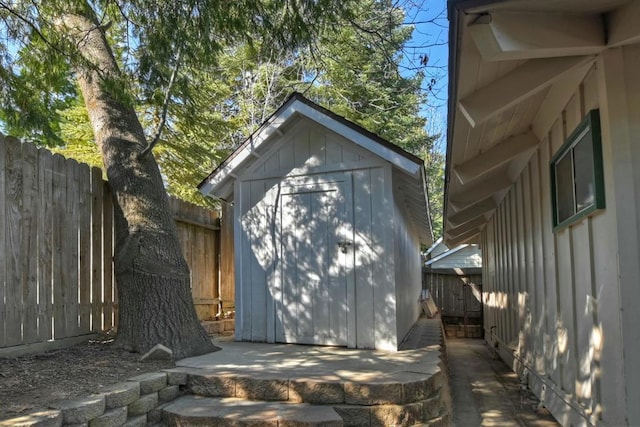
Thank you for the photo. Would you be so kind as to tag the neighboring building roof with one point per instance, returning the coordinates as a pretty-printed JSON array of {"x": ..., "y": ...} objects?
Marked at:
[
  {"x": 219, "y": 183},
  {"x": 471, "y": 258},
  {"x": 436, "y": 249},
  {"x": 465, "y": 256}
]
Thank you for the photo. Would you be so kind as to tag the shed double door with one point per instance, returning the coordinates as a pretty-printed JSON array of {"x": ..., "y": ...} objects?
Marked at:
[{"x": 317, "y": 256}]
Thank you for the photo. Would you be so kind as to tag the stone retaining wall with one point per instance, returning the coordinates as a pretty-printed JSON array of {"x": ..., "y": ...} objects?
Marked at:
[
  {"x": 219, "y": 327},
  {"x": 139, "y": 401},
  {"x": 135, "y": 402}
]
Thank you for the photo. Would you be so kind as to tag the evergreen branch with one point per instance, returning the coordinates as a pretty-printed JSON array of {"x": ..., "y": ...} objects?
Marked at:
[
  {"x": 165, "y": 107},
  {"x": 31, "y": 25}
]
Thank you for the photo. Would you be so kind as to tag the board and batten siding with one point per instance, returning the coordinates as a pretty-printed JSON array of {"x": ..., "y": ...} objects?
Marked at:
[
  {"x": 374, "y": 281},
  {"x": 311, "y": 152},
  {"x": 408, "y": 271},
  {"x": 561, "y": 306}
]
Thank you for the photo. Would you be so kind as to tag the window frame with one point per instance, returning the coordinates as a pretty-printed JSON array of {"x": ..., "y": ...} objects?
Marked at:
[{"x": 591, "y": 123}]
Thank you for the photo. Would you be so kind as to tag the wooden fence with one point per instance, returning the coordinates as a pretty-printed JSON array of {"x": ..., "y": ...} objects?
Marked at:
[
  {"x": 56, "y": 249},
  {"x": 208, "y": 250},
  {"x": 457, "y": 293}
]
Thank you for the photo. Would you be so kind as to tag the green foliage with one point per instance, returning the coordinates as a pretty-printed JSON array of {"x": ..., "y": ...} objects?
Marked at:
[
  {"x": 234, "y": 64},
  {"x": 35, "y": 88},
  {"x": 434, "y": 165},
  {"x": 359, "y": 76},
  {"x": 148, "y": 39},
  {"x": 77, "y": 135}
]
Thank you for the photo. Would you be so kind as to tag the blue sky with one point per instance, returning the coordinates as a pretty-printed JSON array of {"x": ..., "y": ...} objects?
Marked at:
[{"x": 430, "y": 37}]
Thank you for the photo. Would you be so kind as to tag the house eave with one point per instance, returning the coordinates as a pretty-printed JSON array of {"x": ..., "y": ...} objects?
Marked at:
[{"x": 509, "y": 78}]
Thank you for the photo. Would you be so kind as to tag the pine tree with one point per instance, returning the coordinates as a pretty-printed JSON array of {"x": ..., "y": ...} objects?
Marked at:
[{"x": 122, "y": 56}]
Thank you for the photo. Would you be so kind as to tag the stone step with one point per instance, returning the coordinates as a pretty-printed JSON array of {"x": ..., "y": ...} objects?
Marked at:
[
  {"x": 207, "y": 411},
  {"x": 399, "y": 388}
]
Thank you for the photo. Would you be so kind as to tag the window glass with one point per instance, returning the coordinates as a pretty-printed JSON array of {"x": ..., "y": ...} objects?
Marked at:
[
  {"x": 564, "y": 187},
  {"x": 583, "y": 159},
  {"x": 577, "y": 175}
]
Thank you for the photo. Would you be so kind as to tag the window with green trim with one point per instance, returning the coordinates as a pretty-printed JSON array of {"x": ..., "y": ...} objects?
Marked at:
[{"x": 577, "y": 183}]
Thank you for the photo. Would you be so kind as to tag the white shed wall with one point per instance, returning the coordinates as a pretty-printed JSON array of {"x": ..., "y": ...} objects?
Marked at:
[
  {"x": 374, "y": 263},
  {"x": 308, "y": 150},
  {"x": 408, "y": 272},
  {"x": 563, "y": 306}
]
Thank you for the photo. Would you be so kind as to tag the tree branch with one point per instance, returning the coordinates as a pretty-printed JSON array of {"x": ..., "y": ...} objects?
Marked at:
[
  {"x": 31, "y": 25},
  {"x": 165, "y": 108}
]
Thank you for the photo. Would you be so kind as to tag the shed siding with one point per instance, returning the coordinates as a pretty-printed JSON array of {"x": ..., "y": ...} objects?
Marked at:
[
  {"x": 373, "y": 262},
  {"x": 408, "y": 272},
  {"x": 307, "y": 145},
  {"x": 553, "y": 300},
  {"x": 314, "y": 152}
]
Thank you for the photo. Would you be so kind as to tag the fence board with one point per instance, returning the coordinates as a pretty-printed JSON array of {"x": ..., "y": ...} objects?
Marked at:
[
  {"x": 205, "y": 287},
  {"x": 84, "y": 228},
  {"x": 59, "y": 204},
  {"x": 70, "y": 255},
  {"x": 211, "y": 251},
  {"x": 13, "y": 276},
  {"x": 196, "y": 251},
  {"x": 110, "y": 306},
  {"x": 45, "y": 266},
  {"x": 3, "y": 250},
  {"x": 199, "y": 233},
  {"x": 227, "y": 260},
  {"x": 29, "y": 268},
  {"x": 96, "y": 249},
  {"x": 448, "y": 293}
]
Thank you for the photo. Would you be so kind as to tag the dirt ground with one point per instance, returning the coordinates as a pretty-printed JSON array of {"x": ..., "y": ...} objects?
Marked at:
[{"x": 31, "y": 383}]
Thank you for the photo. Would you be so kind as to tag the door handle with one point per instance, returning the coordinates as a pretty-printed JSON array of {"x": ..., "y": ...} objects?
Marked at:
[{"x": 344, "y": 245}]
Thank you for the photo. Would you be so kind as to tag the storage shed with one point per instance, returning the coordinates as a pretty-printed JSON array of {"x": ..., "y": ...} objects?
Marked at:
[{"x": 328, "y": 224}]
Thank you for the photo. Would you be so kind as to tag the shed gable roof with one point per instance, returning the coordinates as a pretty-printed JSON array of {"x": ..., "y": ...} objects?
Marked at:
[
  {"x": 298, "y": 105},
  {"x": 219, "y": 183}
]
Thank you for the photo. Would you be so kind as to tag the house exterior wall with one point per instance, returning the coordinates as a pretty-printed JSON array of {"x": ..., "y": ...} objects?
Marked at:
[
  {"x": 311, "y": 153},
  {"x": 560, "y": 307}
]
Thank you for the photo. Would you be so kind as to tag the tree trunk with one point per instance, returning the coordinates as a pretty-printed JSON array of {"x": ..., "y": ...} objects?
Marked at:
[{"x": 152, "y": 277}]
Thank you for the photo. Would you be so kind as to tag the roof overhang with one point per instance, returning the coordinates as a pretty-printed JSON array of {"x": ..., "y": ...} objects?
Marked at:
[
  {"x": 219, "y": 184},
  {"x": 445, "y": 254},
  {"x": 513, "y": 67}
]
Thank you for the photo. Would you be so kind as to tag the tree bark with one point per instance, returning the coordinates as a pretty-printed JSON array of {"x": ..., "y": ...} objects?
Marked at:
[{"x": 152, "y": 276}]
